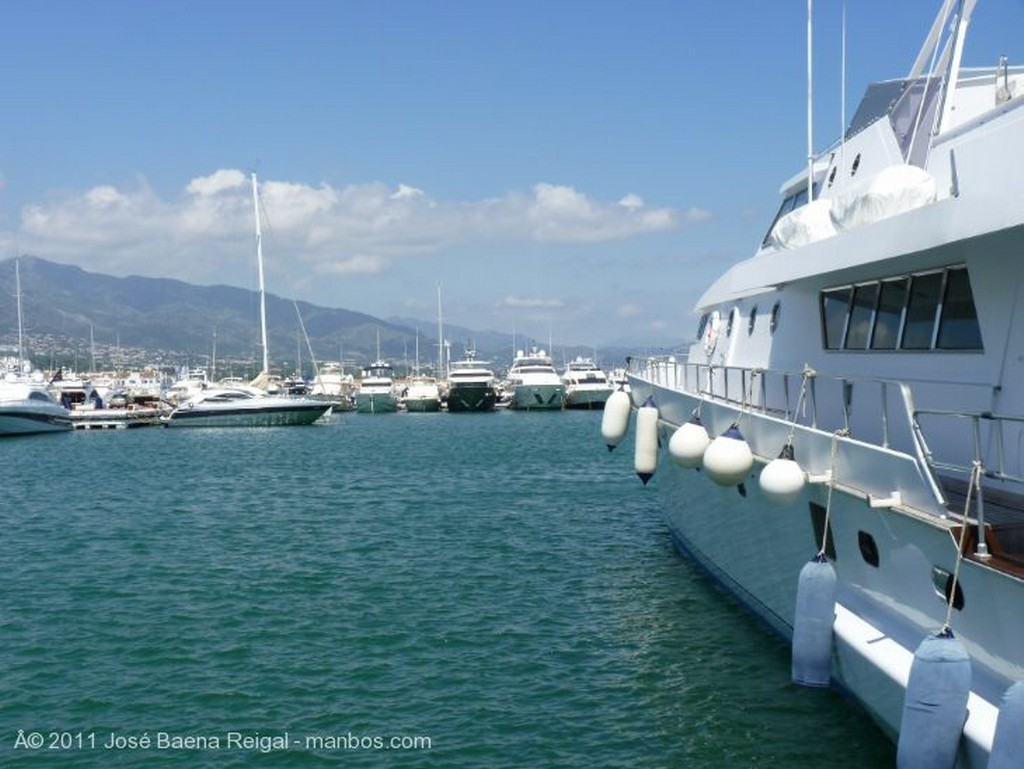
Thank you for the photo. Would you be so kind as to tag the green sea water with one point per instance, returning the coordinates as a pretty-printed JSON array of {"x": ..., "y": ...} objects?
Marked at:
[{"x": 405, "y": 590}]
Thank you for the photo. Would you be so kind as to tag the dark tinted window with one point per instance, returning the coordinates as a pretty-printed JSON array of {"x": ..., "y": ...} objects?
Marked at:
[
  {"x": 860, "y": 316},
  {"x": 924, "y": 303},
  {"x": 958, "y": 327},
  {"x": 890, "y": 311},
  {"x": 834, "y": 304}
]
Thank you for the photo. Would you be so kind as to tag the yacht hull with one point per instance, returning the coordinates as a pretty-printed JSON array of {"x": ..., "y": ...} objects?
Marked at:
[
  {"x": 376, "y": 403},
  {"x": 471, "y": 398},
  {"x": 261, "y": 415},
  {"x": 538, "y": 397},
  {"x": 26, "y": 420},
  {"x": 586, "y": 399},
  {"x": 886, "y": 559},
  {"x": 423, "y": 405}
]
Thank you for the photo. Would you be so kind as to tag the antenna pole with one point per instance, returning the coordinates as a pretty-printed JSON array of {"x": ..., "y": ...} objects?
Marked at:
[{"x": 810, "y": 104}]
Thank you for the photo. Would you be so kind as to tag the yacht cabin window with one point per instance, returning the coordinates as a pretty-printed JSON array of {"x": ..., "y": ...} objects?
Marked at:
[
  {"x": 835, "y": 303},
  {"x": 922, "y": 308},
  {"x": 926, "y": 311},
  {"x": 958, "y": 328},
  {"x": 790, "y": 203},
  {"x": 862, "y": 314},
  {"x": 892, "y": 296}
]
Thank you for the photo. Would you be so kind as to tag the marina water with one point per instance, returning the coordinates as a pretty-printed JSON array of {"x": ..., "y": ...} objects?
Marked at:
[{"x": 416, "y": 590}]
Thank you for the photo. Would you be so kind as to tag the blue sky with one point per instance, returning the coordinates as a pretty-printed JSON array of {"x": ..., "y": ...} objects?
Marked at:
[{"x": 574, "y": 169}]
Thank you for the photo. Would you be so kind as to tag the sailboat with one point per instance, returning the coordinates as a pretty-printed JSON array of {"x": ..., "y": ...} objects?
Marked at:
[
  {"x": 422, "y": 391},
  {"x": 241, "y": 405},
  {"x": 26, "y": 406}
]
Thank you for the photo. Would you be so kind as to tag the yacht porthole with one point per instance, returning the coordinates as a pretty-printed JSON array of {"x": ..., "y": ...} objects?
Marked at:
[
  {"x": 868, "y": 548},
  {"x": 732, "y": 321},
  {"x": 775, "y": 317},
  {"x": 753, "y": 319},
  {"x": 855, "y": 166}
]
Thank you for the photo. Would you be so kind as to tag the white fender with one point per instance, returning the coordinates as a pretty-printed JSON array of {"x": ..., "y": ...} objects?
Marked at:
[
  {"x": 688, "y": 443},
  {"x": 645, "y": 450},
  {"x": 728, "y": 459},
  {"x": 615, "y": 420}
]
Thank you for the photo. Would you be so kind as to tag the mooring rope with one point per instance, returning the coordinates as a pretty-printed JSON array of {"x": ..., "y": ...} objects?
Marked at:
[
  {"x": 951, "y": 598},
  {"x": 808, "y": 374},
  {"x": 831, "y": 486}
]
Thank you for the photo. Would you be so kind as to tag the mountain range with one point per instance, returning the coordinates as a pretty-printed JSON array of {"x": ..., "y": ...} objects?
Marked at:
[{"x": 65, "y": 308}]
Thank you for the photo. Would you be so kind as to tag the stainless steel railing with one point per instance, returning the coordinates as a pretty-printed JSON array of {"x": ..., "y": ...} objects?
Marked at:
[{"x": 874, "y": 410}]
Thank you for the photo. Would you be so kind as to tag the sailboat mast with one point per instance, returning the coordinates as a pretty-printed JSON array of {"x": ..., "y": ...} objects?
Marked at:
[
  {"x": 440, "y": 337},
  {"x": 17, "y": 291},
  {"x": 259, "y": 264},
  {"x": 810, "y": 102}
]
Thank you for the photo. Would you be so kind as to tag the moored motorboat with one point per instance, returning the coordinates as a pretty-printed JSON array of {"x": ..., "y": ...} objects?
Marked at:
[
  {"x": 421, "y": 393},
  {"x": 333, "y": 385},
  {"x": 533, "y": 382},
  {"x": 471, "y": 385},
  {"x": 245, "y": 406},
  {"x": 852, "y": 397},
  {"x": 586, "y": 385},
  {"x": 26, "y": 406},
  {"x": 377, "y": 393}
]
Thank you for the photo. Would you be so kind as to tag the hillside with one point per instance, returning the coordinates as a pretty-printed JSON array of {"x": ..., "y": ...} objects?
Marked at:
[{"x": 69, "y": 313}]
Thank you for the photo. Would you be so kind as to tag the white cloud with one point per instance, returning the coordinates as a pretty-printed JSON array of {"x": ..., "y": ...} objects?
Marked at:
[
  {"x": 362, "y": 264},
  {"x": 519, "y": 302},
  {"x": 205, "y": 234},
  {"x": 218, "y": 181}
]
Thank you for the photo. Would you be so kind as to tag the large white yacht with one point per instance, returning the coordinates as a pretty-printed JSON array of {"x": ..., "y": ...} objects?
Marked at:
[
  {"x": 853, "y": 397},
  {"x": 534, "y": 383},
  {"x": 471, "y": 384}
]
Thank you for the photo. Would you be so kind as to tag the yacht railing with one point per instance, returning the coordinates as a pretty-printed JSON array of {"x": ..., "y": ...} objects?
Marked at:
[
  {"x": 879, "y": 411},
  {"x": 821, "y": 402}
]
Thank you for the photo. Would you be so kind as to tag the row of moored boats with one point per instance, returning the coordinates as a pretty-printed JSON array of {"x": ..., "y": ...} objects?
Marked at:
[
  {"x": 532, "y": 383},
  {"x": 32, "y": 401}
]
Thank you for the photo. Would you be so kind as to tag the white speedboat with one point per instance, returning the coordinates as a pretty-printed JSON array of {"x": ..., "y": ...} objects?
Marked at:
[
  {"x": 27, "y": 407},
  {"x": 245, "y": 406},
  {"x": 377, "y": 393},
  {"x": 533, "y": 382},
  {"x": 852, "y": 396},
  {"x": 586, "y": 385},
  {"x": 471, "y": 385}
]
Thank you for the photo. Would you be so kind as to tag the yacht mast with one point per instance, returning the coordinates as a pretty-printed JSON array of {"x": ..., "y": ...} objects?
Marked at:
[
  {"x": 810, "y": 106},
  {"x": 17, "y": 291},
  {"x": 440, "y": 337},
  {"x": 259, "y": 263}
]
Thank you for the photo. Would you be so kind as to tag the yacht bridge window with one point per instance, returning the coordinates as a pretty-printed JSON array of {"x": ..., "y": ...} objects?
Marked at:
[
  {"x": 790, "y": 203},
  {"x": 931, "y": 310}
]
